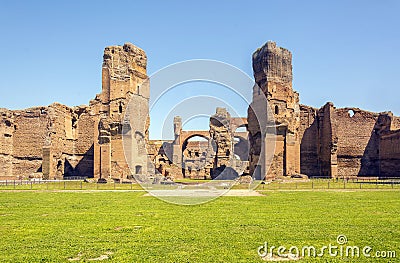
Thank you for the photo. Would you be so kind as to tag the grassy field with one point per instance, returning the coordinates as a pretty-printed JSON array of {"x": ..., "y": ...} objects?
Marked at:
[{"x": 126, "y": 226}]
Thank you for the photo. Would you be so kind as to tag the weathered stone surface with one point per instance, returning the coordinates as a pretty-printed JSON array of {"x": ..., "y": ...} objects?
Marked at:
[
  {"x": 52, "y": 131},
  {"x": 273, "y": 63},
  {"x": 221, "y": 133},
  {"x": 183, "y": 158},
  {"x": 124, "y": 82},
  {"x": 333, "y": 142},
  {"x": 57, "y": 141},
  {"x": 309, "y": 141},
  {"x": 60, "y": 141},
  {"x": 272, "y": 67},
  {"x": 343, "y": 142}
]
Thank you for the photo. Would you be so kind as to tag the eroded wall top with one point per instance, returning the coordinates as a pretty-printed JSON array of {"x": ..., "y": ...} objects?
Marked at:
[
  {"x": 123, "y": 60},
  {"x": 272, "y": 63}
]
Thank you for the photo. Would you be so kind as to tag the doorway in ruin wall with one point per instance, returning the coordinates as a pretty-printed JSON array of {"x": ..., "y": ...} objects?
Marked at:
[{"x": 196, "y": 161}]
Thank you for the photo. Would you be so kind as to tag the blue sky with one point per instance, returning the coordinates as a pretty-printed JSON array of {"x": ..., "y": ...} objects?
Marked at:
[{"x": 346, "y": 52}]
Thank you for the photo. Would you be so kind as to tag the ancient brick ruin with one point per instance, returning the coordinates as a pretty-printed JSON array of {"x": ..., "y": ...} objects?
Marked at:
[
  {"x": 58, "y": 141},
  {"x": 272, "y": 67},
  {"x": 326, "y": 142},
  {"x": 61, "y": 142}
]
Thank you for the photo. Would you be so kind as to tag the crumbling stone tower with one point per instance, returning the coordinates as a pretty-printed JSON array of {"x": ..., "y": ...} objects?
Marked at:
[
  {"x": 272, "y": 68},
  {"x": 220, "y": 132},
  {"x": 123, "y": 80}
]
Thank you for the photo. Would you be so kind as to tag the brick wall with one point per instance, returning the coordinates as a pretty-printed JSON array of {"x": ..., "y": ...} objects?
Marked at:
[
  {"x": 6, "y": 143},
  {"x": 28, "y": 140},
  {"x": 358, "y": 144},
  {"x": 309, "y": 141},
  {"x": 390, "y": 154}
]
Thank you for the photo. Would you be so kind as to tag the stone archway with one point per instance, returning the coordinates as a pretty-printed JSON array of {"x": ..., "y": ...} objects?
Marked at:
[
  {"x": 238, "y": 122},
  {"x": 197, "y": 155},
  {"x": 186, "y": 135}
]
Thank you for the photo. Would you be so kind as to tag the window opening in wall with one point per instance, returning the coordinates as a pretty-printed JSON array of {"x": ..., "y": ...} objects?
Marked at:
[
  {"x": 120, "y": 108},
  {"x": 276, "y": 109}
]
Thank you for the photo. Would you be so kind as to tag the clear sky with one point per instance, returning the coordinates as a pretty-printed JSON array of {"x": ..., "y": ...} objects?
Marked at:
[{"x": 346, "y": 52}]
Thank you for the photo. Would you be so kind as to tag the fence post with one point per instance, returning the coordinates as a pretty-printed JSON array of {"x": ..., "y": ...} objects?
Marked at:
[
  {"x": 114, "y": 185},
  {"x": 64, "y": 185},
  {"x": 392, "y": 184},
  {"x": 329, "y": 182},
  {"x": 296, "y": 185},
  {"x": 31, "y": 185},
  {"x": 81, "y": 185},
  {"x": 312, "y": 184},
  {"x": 14, "y": 184},
  {"x": 131, "y": 185},
  {"x": 6, "y": 182}
]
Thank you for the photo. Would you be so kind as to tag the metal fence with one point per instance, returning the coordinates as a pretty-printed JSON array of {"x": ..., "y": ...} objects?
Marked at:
[
  {"x": 64, "y": 185},
  {"x": 312, "y": 184},
  {"x": 336, "y": 183}
]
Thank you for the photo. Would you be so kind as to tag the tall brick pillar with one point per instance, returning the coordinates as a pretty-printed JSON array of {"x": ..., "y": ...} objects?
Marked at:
[
  {"x": 272, "y": 67},
  {"x": 123, "y": 112},
  {"x": 47, "y": 163}
]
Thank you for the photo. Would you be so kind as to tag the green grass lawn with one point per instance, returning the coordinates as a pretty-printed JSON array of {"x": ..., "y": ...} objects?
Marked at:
[{"x": 54, "y": 226}]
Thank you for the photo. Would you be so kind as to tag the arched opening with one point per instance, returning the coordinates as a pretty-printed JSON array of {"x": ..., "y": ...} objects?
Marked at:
[
  {"x": 241, "y": 149},
  {"x": 193, "y": 139},
  {"x": 241, "y": 144},
  {"x": 197, "y": 157},
  {"x": 351, "y": 113},
  {"x": 276, "y": 109}
]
